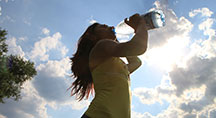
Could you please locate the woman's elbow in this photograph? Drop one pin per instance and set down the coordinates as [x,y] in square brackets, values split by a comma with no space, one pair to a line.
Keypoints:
[141,49]
[140,62]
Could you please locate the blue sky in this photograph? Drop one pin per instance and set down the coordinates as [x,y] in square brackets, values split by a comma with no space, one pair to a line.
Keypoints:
[177,78]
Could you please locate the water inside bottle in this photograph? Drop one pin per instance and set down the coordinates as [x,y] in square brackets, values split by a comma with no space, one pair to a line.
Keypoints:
[158,19]
[123,29]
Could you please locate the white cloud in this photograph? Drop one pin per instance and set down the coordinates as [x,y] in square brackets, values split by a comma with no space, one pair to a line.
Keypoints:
[192,101]
[168,46]
[140,115]
[56,68]
[53,76]
[171,53]
[147,96]
[13,48]
[75,105]
[41,47]
[175,27]
[206,27]
[194,94]
[51,80]
[205,48]
[7,19]
[27,21]
[165,91]
[204,12]
[190,91]
[52,83]
[206,24]
[92,21]
[45,31]
[195,85]
[64,50]
[45,45]
[212,113]
[2,116]
[171,112]
[0,11]
[193,75]
[48,88]
[30,106]
[162,4]
[22,38]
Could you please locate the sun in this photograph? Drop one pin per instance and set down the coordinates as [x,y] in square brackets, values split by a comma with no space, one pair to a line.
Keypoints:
[170,54]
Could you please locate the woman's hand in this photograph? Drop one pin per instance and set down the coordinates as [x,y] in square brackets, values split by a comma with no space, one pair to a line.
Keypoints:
[133,63]
[148,21]
[133,21]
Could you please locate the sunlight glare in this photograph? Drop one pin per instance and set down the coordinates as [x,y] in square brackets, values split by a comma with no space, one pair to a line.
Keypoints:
[172,53]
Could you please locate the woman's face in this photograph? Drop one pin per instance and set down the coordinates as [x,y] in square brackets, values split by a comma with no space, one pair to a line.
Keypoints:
[105,32]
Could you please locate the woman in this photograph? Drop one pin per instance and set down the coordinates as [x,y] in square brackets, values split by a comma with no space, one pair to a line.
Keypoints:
[96,66]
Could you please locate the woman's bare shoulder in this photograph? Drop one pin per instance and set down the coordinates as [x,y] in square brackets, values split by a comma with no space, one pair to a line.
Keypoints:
[99,52]
[104,47]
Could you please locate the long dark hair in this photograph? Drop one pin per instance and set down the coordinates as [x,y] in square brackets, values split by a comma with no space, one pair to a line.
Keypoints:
[83,83]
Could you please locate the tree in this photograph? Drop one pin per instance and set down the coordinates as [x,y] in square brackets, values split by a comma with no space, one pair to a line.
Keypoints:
[3,45]
[14,71]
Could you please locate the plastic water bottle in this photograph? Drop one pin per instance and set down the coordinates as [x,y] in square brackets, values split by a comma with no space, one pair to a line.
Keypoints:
[156,17]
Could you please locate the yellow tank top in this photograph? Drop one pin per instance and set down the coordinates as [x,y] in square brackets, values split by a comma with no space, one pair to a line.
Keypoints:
[112,90]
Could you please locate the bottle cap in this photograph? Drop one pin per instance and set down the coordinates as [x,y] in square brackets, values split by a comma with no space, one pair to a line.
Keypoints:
[158,18]
[113,29]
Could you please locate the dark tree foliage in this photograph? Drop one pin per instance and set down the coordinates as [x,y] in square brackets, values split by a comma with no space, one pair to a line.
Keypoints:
[14,71]
[3,45]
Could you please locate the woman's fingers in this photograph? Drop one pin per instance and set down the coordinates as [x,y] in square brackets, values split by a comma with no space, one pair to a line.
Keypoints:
[133,21]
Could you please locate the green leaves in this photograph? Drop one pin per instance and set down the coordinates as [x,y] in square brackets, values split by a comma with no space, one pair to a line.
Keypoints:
[3,45]
[14,71]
